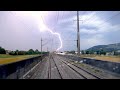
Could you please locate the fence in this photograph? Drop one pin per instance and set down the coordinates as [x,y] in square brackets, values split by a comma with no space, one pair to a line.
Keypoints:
[17,69]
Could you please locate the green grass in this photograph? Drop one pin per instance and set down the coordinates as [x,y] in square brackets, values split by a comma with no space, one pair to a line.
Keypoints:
[5,59]
[6,56]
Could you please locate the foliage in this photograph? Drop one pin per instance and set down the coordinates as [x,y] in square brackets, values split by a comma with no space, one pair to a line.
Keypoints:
[2,50]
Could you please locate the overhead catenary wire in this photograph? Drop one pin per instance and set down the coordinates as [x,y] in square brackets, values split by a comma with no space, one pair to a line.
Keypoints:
[71,33]
[109,19]
[101,25]
[90,17]
[94,18]
[26,26]
[58,36]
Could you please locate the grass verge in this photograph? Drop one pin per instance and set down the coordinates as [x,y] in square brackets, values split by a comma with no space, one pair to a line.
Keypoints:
[105,58]
[5,59]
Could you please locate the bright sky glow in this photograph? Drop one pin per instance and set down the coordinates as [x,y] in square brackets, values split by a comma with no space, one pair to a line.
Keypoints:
[23,30]
[38,16]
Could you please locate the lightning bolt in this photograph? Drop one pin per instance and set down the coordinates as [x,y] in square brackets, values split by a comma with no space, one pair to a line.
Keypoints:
[41,25]
[59,36]
[55,33]
[45,28]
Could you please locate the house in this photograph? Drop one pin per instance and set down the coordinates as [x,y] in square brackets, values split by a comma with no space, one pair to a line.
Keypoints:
[8,51]
[118,51]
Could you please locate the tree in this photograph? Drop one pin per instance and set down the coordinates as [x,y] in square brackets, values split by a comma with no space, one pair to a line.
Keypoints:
[91,52]
[82,52]
[2,50]
[12,53]
[87,52]
[17,51]
[31,51]
[37,51]
[116,53]
[72,52]
[97,52]
[21,52]
[102,52]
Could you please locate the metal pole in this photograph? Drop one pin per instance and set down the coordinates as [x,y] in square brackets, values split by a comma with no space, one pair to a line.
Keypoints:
[47,49]
[41,46]
[78,35]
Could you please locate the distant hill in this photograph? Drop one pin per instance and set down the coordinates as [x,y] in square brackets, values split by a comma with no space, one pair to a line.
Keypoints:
[107,48]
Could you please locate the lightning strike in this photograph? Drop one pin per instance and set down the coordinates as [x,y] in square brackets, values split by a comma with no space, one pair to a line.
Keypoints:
[42,27]
[58,37]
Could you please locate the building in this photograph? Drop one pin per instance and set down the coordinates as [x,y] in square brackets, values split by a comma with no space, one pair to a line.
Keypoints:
[8,51]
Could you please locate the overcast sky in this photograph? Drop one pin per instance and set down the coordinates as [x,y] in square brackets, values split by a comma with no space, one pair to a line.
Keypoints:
[23,30]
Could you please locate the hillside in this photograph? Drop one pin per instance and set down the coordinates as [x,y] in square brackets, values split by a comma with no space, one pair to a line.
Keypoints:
[107,48]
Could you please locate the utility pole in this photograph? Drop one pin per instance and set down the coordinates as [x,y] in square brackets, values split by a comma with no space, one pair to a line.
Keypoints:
[47,49]
[41,46]
[78,35]
[52,45]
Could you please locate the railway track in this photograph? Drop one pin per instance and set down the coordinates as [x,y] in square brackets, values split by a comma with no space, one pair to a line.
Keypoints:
[68,63]
[97,72]
[97,77]
[58,67]
[53,69]
[49,71]
[81,72]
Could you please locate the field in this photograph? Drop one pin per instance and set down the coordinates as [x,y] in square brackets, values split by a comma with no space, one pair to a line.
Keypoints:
[105,58]
[4,59]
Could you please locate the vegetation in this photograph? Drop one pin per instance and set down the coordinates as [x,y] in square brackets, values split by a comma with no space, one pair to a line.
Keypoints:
[70,52]
[7,56]
[4,59]
[102,57]
[2,50]
[29,52]
[99,52]
[109,52]
[106,48]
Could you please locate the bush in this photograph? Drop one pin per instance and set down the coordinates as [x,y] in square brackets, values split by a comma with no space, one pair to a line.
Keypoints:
[2,50]
[29,52]
[12,53]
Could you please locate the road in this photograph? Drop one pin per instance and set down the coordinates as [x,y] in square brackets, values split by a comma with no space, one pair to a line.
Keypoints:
[58,67]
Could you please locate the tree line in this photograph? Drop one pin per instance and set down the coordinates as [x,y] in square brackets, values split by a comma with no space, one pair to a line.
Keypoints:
[20,52]
[99,52]
[2,50]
